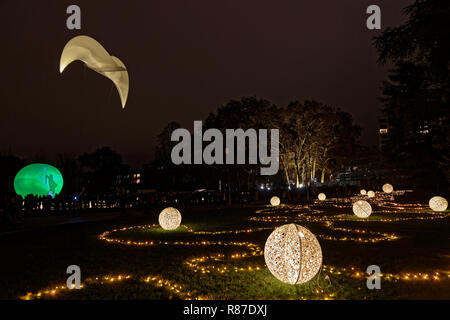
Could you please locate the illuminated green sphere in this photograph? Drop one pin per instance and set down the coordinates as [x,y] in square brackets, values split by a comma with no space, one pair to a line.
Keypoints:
[38,180]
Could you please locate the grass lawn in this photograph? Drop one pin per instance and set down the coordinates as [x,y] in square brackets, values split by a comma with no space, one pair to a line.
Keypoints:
[207,259]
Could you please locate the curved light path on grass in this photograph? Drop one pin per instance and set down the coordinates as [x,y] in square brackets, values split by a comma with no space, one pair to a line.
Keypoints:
[300,213]
[217,263]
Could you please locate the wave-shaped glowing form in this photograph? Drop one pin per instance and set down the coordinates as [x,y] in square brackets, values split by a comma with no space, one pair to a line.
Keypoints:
[95,57]
[39,180]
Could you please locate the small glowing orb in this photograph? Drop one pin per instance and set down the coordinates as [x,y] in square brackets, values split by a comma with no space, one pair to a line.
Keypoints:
[363,192]
[388,188]
[275,201]
[322,196]
[38,180]
[170,219]
[438,204]
[293,254]
[371,194]
[362,209]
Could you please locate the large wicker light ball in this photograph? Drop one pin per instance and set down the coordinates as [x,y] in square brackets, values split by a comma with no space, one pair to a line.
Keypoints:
[362,209]
[371,194]
[438,204]
[293,254]
[322,196]
[170,219]
[388,188]
[363,192]
[275,201]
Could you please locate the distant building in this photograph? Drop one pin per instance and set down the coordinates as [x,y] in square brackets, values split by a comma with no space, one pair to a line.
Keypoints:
[133,178]
[364,166]
[383,133]
[425,133]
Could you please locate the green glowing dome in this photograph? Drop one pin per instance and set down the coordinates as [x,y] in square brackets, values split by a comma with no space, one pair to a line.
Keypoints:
[39,180]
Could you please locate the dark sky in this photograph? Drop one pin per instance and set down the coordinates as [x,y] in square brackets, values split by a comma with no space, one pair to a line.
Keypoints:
[185,59]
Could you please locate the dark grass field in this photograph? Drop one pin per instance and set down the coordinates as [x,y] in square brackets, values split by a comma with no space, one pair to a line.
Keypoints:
[35,261]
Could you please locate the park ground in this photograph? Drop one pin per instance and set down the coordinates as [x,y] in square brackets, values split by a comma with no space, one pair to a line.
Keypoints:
[217,254]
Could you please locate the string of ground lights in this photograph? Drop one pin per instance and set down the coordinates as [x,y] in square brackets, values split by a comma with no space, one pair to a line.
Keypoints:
[217,262]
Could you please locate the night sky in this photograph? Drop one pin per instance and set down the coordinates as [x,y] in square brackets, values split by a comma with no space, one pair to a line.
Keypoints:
[185,59]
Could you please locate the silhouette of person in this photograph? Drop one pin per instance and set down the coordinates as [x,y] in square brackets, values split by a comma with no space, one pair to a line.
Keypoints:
[51,184]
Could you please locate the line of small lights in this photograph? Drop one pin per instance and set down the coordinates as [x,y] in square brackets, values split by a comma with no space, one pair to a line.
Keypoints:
[419,276]
[173,288]
[58,289]
[375,235]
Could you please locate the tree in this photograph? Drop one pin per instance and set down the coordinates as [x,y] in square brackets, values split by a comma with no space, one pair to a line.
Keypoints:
[104,165]
[416,95]
[9,167]
[70,170]
[247,113]
[164,144]
[422,40]
[315,137]
[168,176]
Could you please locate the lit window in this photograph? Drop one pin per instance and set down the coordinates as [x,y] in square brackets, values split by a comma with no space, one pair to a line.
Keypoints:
[383,131]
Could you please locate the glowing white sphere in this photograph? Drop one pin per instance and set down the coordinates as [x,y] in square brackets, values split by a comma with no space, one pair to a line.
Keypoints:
[362,209]
[388,188]
[322,196]
[170,219]
[363,192]
[293,254]
[438,204]
[371,194]
[275,201]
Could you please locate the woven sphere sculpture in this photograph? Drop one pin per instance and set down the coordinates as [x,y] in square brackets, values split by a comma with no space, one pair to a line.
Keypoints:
[438,204]
[388,188]
[363,192]
[362,209]
[275,201]
[170,219]
[293,254]
[371,194]
[322,196]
